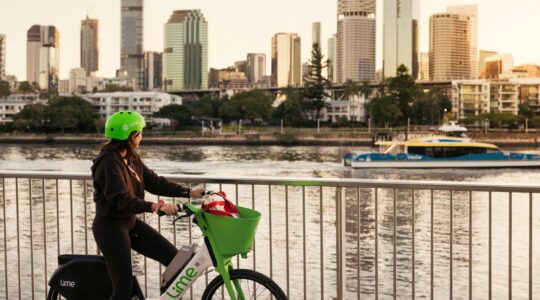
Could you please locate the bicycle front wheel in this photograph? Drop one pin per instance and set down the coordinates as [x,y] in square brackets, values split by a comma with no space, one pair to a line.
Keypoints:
[254,286]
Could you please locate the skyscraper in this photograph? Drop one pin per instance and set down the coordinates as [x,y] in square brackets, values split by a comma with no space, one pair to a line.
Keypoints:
[482,56]
[2,56]
[131,48]
[286,60]
[400,36]
[472,12]
[256,67]
[153,70]
[316,33]
[185,53]
[498,64]
[423,67]
[415,48]
[43,56]
[332,59]
[449,47]
[356,40]
[89,45]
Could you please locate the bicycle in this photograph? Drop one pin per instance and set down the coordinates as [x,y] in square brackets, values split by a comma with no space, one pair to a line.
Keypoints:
[84,277]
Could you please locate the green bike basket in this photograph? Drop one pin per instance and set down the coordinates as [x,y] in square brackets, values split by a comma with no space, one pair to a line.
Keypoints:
[233,236]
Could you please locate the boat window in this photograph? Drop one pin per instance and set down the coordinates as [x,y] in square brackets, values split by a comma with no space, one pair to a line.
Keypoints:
[462,151]
[435,152]
[447,152]
[438,152]
[417,150]
[493,151]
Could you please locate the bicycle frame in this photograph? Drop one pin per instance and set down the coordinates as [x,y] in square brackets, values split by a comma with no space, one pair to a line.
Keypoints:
[202,260]
[193,270]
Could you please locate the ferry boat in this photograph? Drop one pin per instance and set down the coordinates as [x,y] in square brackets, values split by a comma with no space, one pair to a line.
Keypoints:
[453,150]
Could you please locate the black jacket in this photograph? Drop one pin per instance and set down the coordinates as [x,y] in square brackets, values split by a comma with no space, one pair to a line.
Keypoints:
[117,191]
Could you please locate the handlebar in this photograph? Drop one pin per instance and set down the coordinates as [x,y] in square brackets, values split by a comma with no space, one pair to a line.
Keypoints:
[183,207]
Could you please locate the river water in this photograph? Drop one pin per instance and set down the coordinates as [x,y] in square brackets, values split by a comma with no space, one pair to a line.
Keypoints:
[319,162]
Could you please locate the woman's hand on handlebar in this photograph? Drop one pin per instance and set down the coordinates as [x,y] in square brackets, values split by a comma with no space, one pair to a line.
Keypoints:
[196,193]
[169,209]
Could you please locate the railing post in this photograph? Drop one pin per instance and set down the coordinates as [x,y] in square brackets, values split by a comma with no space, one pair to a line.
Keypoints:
[340,244]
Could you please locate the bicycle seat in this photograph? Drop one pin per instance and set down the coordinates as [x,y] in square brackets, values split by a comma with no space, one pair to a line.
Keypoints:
[65,258]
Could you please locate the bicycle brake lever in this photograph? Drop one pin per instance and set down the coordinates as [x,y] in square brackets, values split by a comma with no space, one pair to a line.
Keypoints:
[180,217]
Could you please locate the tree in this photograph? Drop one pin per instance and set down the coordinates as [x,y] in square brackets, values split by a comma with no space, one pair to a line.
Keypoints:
[48,94]
[535,122]
[350,89]
[405,90]
[315,85]
[208,107]
[366,89]
[385,111]
[179,114]
[254,104]
[429,107]
[32,117]
[111,87]
[25,87]
[5,89]
[36,87]
[292,110]
[71,114]
[526,110]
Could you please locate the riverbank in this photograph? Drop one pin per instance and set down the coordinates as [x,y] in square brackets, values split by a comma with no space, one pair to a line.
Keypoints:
[322,139]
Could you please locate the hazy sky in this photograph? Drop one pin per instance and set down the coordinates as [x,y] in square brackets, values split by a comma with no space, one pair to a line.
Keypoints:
[237,27]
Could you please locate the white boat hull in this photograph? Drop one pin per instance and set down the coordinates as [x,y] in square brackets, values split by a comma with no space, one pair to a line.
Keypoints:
[451,164]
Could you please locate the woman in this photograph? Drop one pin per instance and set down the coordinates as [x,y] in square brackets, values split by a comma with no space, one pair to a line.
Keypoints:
[120,179]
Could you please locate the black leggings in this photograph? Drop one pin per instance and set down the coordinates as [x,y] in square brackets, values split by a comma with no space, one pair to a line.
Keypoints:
[116,237]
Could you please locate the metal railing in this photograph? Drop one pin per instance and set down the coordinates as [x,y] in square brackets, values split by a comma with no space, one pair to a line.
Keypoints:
[318,238]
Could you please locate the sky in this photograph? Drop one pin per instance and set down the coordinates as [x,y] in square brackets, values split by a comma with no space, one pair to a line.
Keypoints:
[237,27]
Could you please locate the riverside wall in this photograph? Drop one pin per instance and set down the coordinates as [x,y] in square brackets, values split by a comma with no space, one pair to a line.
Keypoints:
[287,139]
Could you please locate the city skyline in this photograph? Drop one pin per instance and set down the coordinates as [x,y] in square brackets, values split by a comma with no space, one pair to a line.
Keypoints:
[230,40]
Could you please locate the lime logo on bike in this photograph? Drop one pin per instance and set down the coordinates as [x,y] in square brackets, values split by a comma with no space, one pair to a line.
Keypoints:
[182,283]
[67,283]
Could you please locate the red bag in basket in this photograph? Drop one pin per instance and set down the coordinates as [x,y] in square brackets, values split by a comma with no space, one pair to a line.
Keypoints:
[217,204]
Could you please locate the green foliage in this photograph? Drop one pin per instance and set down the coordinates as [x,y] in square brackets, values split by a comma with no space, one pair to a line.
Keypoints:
[292,110]
[71,114]
[534,122]
[350,89]
[404,89]
[35,87]
[179,114]
[111,87]
[254,104]
[5,89]
[366,89]
[32,117]
[526,111]
[25,87]
[208,107]
[315,85]
[48,94]
[385,111]
[428,109]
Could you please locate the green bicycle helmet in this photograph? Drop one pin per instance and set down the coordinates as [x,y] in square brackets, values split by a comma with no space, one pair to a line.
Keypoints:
[121,124]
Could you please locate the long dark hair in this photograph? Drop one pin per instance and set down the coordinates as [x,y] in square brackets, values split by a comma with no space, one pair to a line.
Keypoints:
[119,146]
